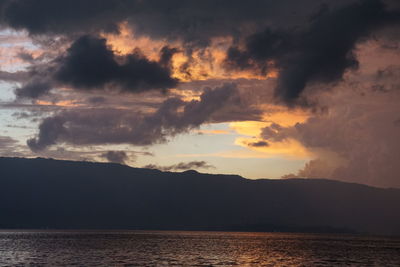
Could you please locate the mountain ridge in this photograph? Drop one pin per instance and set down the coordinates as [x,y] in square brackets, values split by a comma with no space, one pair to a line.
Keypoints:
[48,193]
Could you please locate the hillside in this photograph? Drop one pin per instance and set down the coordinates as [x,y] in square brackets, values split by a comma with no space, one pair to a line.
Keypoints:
[54,194]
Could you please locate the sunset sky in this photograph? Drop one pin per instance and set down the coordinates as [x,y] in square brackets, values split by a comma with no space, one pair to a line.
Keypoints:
[259,88]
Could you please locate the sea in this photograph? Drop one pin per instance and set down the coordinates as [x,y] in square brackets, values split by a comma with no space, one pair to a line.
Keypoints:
[181,248]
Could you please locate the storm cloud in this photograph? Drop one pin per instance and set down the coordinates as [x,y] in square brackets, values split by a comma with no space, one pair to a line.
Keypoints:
[320,53]
[192,21]
[89,63]
[46,16]
[313,44]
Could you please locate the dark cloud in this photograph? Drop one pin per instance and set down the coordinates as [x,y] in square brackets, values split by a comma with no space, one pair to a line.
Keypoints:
[49,130]
[192,21]
[89,63]
[166,55]
[258,144]
[181,166]
[320,53]
[115,156]
[196,22]
[308,43]
[46,16]
[33,89]
[116,126]
[37,81]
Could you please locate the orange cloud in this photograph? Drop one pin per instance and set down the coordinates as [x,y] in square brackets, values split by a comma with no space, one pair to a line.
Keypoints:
[201,64]
[125,42]
[213,132]
[284,116]
[249,128]
[65,103]
[186,95]
[250,131]
[289,148]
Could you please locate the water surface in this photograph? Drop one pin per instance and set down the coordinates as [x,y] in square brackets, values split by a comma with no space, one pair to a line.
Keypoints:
[171,248]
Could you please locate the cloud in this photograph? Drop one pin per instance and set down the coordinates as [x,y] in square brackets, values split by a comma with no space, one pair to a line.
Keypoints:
[320,53]
[97,100]
[387,79]
[316,168]
[166,55]
[89,63]
[6,142]
[115,156]
[365,145]
[49,130]
[308,43]
[353,142]
[46,16]
[10,147]
[258,144]
[13,76]
[356,138]
[37,81]
[275,133]
[181,166]
[306,49]
[116,126]
[192,21]
[33,89]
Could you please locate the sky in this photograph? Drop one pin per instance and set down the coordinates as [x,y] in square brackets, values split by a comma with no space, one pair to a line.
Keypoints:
[259,88]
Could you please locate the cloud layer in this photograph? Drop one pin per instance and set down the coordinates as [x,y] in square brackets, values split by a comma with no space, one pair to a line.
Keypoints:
[107,73]
[320,53]
[116,126]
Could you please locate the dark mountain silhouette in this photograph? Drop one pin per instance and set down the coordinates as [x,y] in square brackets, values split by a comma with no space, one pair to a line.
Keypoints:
[45,193]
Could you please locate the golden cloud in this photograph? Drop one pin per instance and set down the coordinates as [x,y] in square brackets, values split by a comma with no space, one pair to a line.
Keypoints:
[200,64]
